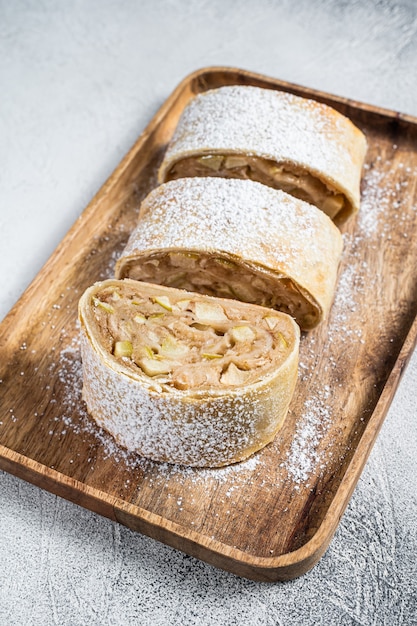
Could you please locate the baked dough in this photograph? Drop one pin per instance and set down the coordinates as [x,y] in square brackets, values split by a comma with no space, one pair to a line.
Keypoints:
[296,144]
[237,239]
[184,378]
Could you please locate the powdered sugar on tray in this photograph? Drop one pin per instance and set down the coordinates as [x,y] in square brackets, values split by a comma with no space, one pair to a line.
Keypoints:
[381,200]
[71,375]
[304,457]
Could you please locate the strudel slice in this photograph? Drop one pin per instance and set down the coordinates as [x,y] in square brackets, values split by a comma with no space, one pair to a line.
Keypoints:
[184,378]
[237,239]
[291,143]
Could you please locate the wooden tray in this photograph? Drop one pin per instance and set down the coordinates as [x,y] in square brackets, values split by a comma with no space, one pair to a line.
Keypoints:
[272,517]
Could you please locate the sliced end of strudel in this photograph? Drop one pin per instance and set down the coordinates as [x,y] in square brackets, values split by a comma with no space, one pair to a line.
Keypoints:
[295,144]
[184,378]
[237,239]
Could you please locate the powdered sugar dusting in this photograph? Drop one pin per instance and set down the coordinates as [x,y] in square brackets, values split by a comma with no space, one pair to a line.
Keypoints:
[70,374]
[383,188]
[304,455]
[274,125]
[231,215]
[350,288]
[259,226]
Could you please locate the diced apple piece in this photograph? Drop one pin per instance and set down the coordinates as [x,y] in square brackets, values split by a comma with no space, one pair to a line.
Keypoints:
[232,161]
[164,302]
[213,162]
[271,321]
[243,333]
[103,305]
[182,305]
[232,376]
[154,367]
[171,347]
[333,204]
[209,312]
[148,352]
[123,349]
[243,292]
[139,319]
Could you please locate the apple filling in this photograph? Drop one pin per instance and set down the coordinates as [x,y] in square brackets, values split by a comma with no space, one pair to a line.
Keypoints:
[186,342]
[222,277]
[295,181]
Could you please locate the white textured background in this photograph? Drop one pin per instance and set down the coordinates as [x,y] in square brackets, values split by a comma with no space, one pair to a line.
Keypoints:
[79,80]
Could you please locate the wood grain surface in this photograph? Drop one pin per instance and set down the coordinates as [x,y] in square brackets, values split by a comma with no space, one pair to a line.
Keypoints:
[272,517]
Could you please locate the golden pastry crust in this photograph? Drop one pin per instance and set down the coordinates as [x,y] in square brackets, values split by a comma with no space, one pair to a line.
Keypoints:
[237,239]
[291,143]
[183,378]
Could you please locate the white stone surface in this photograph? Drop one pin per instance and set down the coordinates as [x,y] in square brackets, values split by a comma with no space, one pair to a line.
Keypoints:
[78,83]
